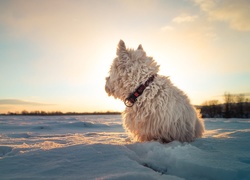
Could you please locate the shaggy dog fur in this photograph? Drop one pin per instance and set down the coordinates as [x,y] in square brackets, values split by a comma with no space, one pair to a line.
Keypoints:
[163,112]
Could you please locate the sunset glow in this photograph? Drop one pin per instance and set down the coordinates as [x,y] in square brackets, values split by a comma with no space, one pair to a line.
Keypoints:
[55,55]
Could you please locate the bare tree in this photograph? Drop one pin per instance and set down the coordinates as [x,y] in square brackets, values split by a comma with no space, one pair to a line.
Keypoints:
[228,100]
[240,99]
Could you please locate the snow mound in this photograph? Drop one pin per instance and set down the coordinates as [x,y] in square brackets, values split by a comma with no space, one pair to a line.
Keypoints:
[187,161]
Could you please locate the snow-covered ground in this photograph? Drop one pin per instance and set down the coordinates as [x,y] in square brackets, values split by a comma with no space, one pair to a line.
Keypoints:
[96,147]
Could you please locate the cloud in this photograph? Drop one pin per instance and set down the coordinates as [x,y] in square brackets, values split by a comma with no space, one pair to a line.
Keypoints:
[167,28]
[184,18]
[246,94]
[21,102]
[235,13]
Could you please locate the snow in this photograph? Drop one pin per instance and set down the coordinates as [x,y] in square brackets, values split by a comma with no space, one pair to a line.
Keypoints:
[97,147]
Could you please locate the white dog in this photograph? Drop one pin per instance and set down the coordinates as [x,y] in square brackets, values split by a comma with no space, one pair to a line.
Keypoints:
[157,110]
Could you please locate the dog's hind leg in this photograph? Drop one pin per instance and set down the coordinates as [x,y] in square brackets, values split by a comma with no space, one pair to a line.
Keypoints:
[199,128]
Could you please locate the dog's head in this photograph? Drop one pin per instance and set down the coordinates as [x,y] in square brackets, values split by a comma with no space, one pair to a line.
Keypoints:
[129,69]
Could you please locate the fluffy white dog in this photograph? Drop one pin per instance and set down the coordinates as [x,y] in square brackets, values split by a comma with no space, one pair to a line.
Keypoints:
[157,110]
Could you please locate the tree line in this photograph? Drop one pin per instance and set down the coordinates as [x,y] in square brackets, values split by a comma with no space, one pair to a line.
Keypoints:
[234,106]
[58,113]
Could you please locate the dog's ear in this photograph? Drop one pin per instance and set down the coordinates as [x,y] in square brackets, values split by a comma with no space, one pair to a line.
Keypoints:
[121,49]
[140,47]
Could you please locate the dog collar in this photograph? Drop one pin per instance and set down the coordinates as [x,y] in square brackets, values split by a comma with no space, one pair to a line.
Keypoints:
[132,98]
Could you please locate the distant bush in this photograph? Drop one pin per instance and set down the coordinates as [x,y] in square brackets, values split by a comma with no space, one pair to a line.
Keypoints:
[234,106]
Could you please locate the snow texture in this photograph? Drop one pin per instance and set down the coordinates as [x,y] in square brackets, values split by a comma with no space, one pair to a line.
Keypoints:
[96,147]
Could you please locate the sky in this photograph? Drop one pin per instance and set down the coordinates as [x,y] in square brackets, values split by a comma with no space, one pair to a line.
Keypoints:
[55,55]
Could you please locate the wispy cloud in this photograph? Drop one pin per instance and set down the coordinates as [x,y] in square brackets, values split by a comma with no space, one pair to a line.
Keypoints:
[184,18]
[246,94]
[21,102]
[167,28]
[235,13]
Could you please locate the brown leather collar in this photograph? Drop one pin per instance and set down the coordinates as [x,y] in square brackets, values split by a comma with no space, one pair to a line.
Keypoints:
[132,98]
